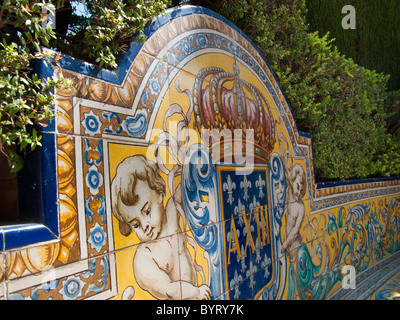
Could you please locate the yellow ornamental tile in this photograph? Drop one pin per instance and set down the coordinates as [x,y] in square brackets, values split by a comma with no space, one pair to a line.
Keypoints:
[64,123]
[63,254]
[66,91]
[100,91]
[70,239]
[41,257]
[16,265]
[126,94]
[69,190]
[65,143]
[68,214]
[65,104]
[65,169]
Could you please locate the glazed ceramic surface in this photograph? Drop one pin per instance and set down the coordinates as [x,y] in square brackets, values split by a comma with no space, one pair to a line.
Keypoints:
[182,175]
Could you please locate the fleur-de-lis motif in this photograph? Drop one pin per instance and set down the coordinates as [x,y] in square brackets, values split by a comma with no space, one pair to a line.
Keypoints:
[235,283]
[254,203]
[266,261]
[266,273]
[239,208]
[260,183]
[264,264]
[252,270]
[245,185]
[229,186]
[258,254]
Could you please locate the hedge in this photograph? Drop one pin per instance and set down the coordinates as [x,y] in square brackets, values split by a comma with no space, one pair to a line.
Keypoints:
[344,106]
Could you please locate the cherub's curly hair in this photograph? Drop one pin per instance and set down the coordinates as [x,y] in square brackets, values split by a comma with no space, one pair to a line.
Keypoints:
[298,170]
[123,185]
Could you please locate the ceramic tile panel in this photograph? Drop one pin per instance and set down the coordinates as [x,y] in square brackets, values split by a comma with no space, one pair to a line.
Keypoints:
[57,283]
[182,175]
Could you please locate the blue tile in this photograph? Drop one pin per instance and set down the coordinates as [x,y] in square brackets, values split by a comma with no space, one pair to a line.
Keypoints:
[25,234]
[37,187]
[1,240]
[323,185]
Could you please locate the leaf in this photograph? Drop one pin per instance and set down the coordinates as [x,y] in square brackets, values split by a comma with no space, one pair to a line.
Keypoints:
[22,39]
[37,46]
[340,218]
[27,8]
[15,161]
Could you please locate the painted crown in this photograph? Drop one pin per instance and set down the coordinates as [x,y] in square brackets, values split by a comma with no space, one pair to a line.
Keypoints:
[223,100]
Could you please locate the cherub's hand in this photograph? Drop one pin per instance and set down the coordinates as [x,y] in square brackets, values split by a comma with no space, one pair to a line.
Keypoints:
[283,247]
[204,293]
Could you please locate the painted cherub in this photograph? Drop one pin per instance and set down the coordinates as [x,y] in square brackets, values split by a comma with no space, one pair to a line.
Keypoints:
[295,212]
[162,265]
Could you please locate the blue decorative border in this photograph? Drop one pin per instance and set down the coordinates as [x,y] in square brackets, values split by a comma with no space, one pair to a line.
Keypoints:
[37,189]
[117,76]
[323,185]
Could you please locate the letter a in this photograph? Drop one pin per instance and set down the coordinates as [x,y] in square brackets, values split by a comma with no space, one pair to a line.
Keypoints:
[349,21]
[235,238]
[349,279]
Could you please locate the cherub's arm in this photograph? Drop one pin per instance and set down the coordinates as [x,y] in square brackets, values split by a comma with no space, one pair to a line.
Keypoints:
[158,283]
[296,228]
[174,209]
[178,194]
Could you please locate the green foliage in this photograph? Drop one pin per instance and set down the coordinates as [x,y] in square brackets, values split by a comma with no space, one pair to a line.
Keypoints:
[374,44]
[107,27]
[343,105]
[392,105]
[26,100]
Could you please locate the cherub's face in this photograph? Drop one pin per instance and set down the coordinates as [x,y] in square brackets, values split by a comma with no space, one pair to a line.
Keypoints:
[297,188]
[279,192]
[147,215]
